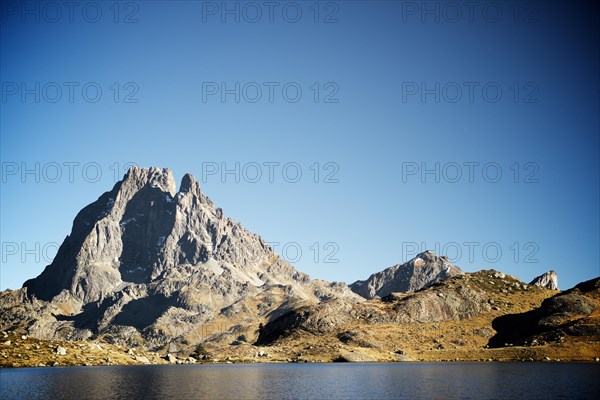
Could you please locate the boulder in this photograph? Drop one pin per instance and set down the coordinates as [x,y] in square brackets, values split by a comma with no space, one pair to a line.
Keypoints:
[354,356]
[142,359]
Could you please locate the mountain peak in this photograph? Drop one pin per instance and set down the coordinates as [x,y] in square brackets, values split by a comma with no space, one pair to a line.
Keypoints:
[143,257]
[429,255]
[423,270]
[189,184]
[154,177]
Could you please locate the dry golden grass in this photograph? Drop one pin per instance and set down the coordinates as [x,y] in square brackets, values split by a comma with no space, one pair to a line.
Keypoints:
[31,352]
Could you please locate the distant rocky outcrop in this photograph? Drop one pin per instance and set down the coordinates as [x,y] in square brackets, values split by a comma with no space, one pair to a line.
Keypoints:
[423,270]
[548,280]
[150,266]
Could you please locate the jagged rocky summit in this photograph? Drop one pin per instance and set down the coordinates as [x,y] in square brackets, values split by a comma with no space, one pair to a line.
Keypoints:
[423,270]
[548,280]
[148,265]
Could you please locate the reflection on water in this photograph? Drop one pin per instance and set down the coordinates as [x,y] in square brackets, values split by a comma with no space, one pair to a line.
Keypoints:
[306,381]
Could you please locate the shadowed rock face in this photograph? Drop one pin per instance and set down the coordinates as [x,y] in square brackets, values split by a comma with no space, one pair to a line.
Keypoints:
[104,240]
[560,315]
[148,262]
[548,280]
[148,218]
[423,270]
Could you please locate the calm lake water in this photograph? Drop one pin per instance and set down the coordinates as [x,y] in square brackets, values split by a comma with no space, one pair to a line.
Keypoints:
[307,381]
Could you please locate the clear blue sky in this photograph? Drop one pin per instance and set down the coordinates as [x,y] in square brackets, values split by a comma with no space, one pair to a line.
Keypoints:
[373,61]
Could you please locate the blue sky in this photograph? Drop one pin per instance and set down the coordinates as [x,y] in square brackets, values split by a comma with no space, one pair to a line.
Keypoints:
[387,76]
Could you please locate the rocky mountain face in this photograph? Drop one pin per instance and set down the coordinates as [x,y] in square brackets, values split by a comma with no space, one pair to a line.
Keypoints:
[423,270]
[149,265]
[458,298]
[548,280]
[434,305]
[570,313]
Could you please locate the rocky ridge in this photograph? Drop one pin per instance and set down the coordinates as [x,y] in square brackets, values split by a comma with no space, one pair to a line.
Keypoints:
[423,270]
[452,320]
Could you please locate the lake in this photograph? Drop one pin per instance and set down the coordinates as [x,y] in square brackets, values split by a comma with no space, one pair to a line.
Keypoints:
[307,381]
